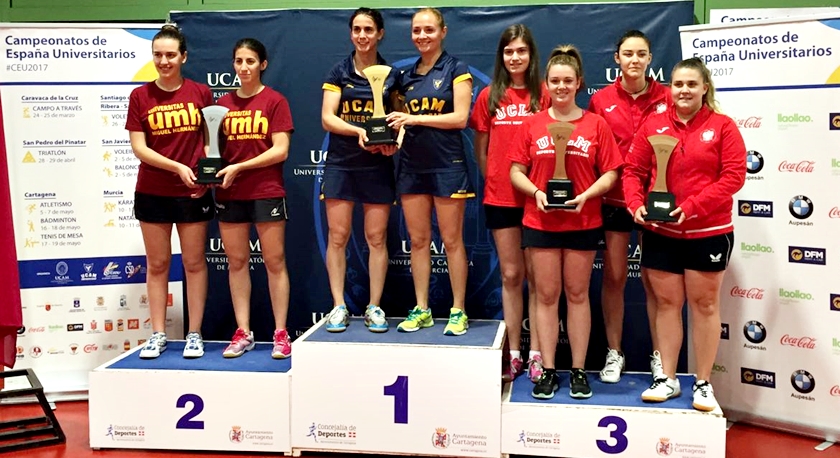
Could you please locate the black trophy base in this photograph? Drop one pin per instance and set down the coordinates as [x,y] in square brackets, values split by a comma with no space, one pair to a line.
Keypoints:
[557,192]
[659,205]
[208,167]
[378,132]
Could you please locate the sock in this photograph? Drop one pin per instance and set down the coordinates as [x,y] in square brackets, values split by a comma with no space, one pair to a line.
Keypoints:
[533,353]
[515,354]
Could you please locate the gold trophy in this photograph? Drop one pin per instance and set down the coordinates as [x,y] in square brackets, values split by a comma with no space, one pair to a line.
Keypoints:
[559,189]
[660,202]
[376,127]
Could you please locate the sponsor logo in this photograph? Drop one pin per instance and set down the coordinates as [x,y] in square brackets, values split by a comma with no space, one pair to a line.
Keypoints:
[132,270]
[803,382]
[800,342]
[126,433]
[724,331]
[834,212]
[718,368]
[801,208]
[74,349]
[538,439]
[133,323]
[37,329]
[664,447]
[835,166]
[797,167]
[758,377]
[834,302]
[755,162]
[834,121]
[440,438]
[88,272]
[109,325]
[19,352]
[806,255]
[61,276]
[35,352]
[785,119]
[707,136]
[755,332]
[751,293]
[111,271]
[796,295]
[75,327]
[753,122]
[236,434]
[21,330]
[835,390]
[333,433]
[90,348]
[755,208]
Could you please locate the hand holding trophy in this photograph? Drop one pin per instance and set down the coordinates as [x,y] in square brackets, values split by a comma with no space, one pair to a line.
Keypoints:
[376,127]
[209,166]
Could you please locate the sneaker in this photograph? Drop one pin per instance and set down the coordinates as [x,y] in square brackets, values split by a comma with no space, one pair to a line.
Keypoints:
[240,343]
[579,385]
[535,368]
[546,385]
[194,348]
[704,397]
[154,346]
[457,325]
[661,390]
[417,318]
[611,373]
[282,346]
[375,319]
[656,366]
[512,368]
[338,319]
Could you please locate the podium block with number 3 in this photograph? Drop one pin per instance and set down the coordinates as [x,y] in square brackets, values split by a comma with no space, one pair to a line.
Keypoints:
[419,393]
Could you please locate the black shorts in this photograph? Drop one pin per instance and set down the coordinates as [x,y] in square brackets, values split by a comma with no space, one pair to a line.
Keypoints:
[150,208]
[455,185]
[708,254]
[585,240]
[366,186]
[496,217]
[617,219]
[252,211]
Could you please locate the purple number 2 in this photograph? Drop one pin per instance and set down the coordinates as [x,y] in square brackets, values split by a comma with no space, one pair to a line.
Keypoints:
[399,390]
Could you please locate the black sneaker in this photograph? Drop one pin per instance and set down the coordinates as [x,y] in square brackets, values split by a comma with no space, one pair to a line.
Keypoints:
[579,385]
[546,385]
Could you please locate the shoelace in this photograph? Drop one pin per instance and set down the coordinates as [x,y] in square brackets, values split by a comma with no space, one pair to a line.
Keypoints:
[579,376]
[612,358]
[192,340]
[453,319]
[334,315]
[658,382]
[703,389]
[414,314]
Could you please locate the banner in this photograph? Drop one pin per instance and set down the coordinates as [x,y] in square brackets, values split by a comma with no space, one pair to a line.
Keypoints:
[297,68]
[780,307]
[727,16]
[71,180]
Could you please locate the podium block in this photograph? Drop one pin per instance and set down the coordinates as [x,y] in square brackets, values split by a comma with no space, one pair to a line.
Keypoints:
[418,393]
[208,403]
[613,422]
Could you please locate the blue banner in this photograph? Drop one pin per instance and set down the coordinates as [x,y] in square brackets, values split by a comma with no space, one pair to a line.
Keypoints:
[111,270]
[303,45]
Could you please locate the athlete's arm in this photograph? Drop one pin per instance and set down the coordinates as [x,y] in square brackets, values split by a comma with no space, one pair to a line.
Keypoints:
[278,152]
[333,124]
[155,159]
[462,98]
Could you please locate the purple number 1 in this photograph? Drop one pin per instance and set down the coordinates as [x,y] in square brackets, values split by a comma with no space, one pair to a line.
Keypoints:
[399,390]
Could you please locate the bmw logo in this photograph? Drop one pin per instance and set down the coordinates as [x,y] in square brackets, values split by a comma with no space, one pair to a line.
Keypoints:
[755,162]
[755,332]
[802,381]
[801,207]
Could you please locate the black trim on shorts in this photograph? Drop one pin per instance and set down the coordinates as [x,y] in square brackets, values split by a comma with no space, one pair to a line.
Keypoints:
[669,254]
[150,208]
[252,211]
[496,217]
[584,240]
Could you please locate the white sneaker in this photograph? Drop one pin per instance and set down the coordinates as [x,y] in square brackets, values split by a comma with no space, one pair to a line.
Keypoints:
[194,348]
[661,390]
[704,396]
[656,366]
[154,346]
[613,368]
[338,319]
[375,319]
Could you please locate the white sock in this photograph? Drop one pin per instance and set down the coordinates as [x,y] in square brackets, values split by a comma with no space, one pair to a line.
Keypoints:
[533,353]
[515,354]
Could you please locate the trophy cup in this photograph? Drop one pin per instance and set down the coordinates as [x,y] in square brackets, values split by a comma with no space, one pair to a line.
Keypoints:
[660,202]
[559,189]
[376,127]
[209,166]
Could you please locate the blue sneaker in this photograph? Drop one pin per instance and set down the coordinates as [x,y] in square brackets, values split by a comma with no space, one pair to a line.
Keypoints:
[194,346]
[338,319]
[375,319]
[154,346]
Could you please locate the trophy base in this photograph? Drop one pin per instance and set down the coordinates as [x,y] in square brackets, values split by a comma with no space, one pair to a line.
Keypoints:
[557,192]
[659,205]
[378,132]
[208,167]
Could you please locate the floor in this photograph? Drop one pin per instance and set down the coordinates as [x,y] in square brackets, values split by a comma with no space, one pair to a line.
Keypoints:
[743,441]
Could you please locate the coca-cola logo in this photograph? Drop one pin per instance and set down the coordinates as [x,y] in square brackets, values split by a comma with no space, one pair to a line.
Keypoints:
[799,167]
[799,342]
[834,212]
[90,348]
[37,329]
[835,390]
[753,122]
[752,293]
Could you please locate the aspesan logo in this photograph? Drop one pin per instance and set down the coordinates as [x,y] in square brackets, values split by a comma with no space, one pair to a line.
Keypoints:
[755,208]
[751,293]
[755,333]
[834,121]
[803,382]
[801,208]
[758,377]
[797,167]
[755,162]
[806,255]
[799,342]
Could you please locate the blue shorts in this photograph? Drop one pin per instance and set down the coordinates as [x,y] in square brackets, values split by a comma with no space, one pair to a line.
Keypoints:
[365,186]
[455,185]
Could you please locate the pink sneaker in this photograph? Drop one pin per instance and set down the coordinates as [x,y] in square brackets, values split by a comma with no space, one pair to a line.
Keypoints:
[282,345]
[512,369]
[535,368]
[240,343]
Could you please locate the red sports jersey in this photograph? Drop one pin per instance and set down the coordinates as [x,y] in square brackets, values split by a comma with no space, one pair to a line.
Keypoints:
[625,115]
[247,128]
[502,128]
[590,153]
[708,166]
[172,123]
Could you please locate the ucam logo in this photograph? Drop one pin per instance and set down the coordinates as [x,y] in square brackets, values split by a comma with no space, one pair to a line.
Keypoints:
[807,255]
[758,377]
[755,208]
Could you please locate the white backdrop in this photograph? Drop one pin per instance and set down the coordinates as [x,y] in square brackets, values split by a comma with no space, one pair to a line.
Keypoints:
[779,358]
[72,173]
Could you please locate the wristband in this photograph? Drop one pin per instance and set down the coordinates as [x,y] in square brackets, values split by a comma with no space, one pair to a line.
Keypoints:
[535,193]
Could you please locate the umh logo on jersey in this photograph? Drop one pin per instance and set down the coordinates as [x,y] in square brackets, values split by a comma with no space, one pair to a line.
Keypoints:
[755,208]
[807,255]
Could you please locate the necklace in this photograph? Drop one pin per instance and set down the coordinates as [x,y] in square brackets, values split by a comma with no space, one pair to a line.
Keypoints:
[639,91]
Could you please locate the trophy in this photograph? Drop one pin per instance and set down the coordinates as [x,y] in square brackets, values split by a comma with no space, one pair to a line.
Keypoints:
[660,202]
[376,127]
[559,189]
[209,166]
